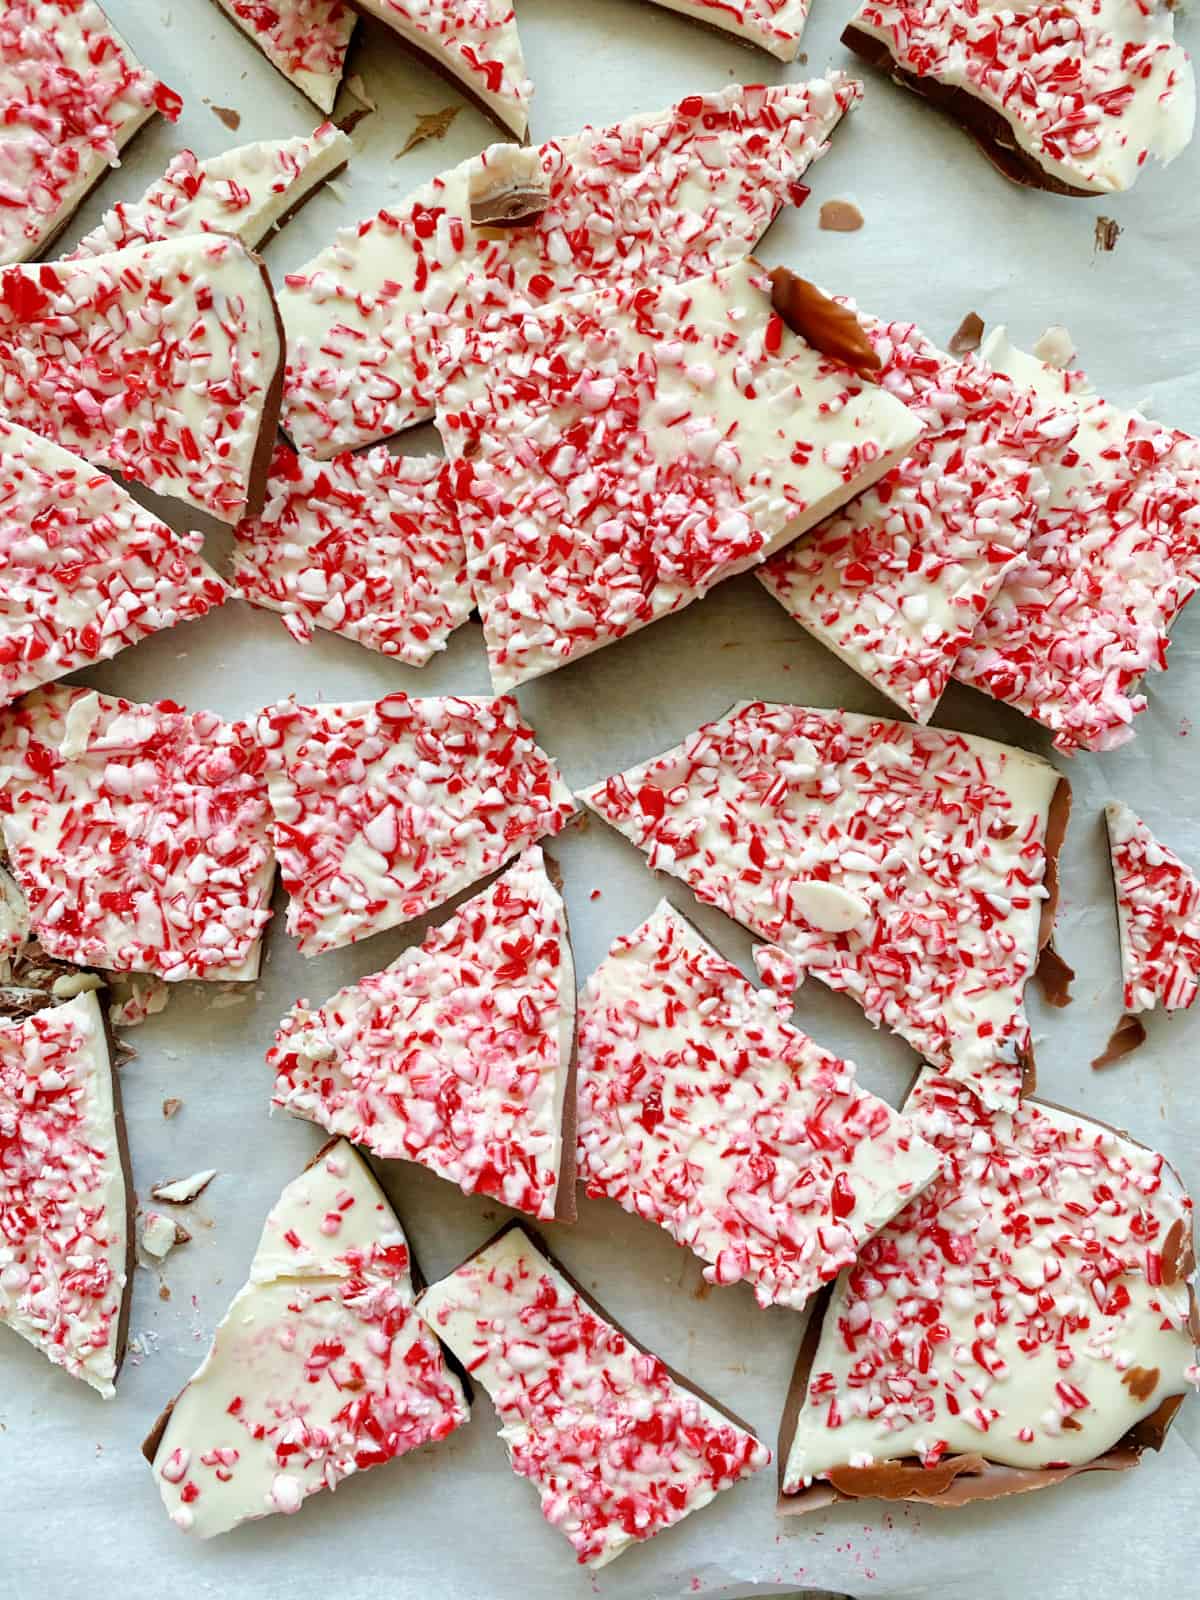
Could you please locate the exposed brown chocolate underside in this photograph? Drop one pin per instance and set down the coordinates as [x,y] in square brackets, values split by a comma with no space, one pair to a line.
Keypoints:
[1054,977]
[967,336]
[268,426]
[517,205]
[297,206]
[990,131]
[831,328]
[565,1206]
[1128,1035]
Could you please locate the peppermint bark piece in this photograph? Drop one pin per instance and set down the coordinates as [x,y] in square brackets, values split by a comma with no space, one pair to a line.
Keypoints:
[620,453]
[896,582]
[72,95]
[460,1054]
[140,834]
[1071,96]
[1026,1318]
[160,362]
[320,1369]
[473,43]
[306,40]
[385,809]
[368,546]
[1158,916]
[373,320]
[911,868]
[247,192]
[85,572]
[772,25]
[701,1110]
[1113,559]
[617,1445]
[65,1206]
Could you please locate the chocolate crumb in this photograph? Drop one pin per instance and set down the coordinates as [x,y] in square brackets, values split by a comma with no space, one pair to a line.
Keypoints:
[349,120]
[1107,233]
[839,216]
[831,328]
[231,118]
[434,125]
[1054,977]
[967,336]
[1128,1034]
[171,1106]
[163,1292]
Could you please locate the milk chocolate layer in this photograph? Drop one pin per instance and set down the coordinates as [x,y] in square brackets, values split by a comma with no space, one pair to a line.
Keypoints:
[831,328]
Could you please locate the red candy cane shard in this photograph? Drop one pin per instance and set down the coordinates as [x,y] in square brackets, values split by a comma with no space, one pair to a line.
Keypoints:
[895,583]
[320,1369]
[1073,95]
[618,454]
[702,1111]
[386,809]
[247,192]
[911,868]
[772,25]
[64,1215]
[1158,916]
[72,95]
[159,362]
[306,40]
[617,1446]
[368,546]
[140,834]
[1113,558]
[84,571]
[458,1055]
[1027,1317]
[373,320]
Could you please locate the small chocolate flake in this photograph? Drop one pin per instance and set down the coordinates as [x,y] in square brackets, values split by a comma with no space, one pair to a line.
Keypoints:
[831,328]
[1107,233]
[231,118]
[171,1106]
[349,120]
[967,336]
[839,216]
[163,1292]
[1054,977]
[1128,1034]
[434,125]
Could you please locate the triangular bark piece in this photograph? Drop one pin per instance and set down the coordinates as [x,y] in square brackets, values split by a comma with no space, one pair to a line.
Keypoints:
[1158,916]
[772,25]
[306,40]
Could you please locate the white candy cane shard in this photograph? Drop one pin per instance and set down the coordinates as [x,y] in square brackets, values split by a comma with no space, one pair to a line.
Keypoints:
[368,546]
[385,809]
[1158,916]
[458,1055]
[372,321]
[65,1255]
[85,571]
[568,1384]
[620,453]
[160,1234]
[72,95]
[306,40]
[702,1111]
[896,582]
[772,25]
[474,43]
[140,834]
[1073,95]
[246,192]
[1113,559]
[948,840]
[1031,1307]
[158,362]
[320,1369]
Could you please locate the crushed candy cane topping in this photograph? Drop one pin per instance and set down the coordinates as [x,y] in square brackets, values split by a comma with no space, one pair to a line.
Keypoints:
[895,584]
[63,1219]
[1113,559]
[456,1056]
[306,40]
[385,809]
[702,1111]
[619,453]
[139,833]
[84,570]
[1089,88]
[156,362]
[244,192]
[475,41]
[904,866]
[373,319]
[368,546]
[320,1369]
[617,1449]
[1031,1306]
[1158,914]
[773,25]
[71,96]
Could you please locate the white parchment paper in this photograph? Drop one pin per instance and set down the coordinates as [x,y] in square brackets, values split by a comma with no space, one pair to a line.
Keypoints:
[79,1513]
